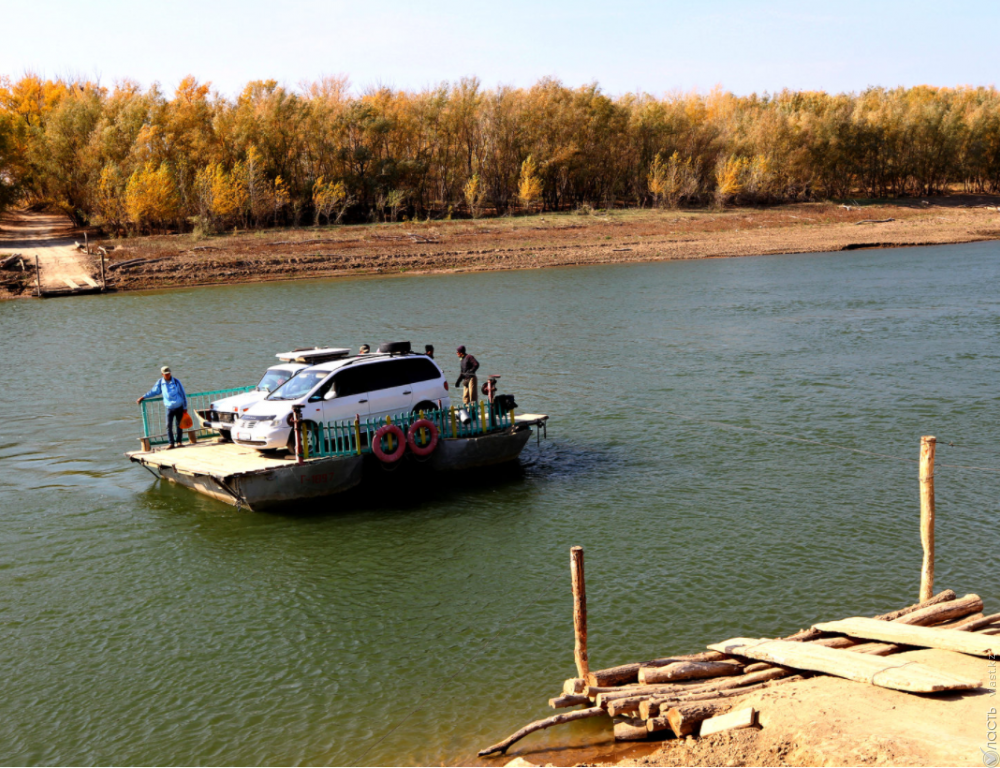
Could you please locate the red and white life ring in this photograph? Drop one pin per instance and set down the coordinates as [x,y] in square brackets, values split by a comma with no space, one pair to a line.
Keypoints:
[414,430]
[397,453]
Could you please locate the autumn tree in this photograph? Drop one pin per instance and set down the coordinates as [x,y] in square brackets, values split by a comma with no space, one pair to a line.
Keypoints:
[529,186]
[151,199]
[11,172]
[473,194]
[328,198]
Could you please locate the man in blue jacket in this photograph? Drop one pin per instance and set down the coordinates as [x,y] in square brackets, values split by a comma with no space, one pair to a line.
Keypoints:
[174,400]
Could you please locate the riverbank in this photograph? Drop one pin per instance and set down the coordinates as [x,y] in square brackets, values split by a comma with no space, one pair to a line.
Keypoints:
[821,721]
[546,240]
[829,721]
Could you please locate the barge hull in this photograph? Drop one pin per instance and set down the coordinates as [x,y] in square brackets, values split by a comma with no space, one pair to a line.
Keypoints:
[485,451]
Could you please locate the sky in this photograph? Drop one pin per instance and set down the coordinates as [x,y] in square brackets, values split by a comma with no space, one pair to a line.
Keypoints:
[624,45]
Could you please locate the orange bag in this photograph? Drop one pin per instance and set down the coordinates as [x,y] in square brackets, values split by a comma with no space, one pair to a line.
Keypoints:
[186,421]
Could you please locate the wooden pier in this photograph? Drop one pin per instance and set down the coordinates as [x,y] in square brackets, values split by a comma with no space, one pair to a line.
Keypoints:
[707,691]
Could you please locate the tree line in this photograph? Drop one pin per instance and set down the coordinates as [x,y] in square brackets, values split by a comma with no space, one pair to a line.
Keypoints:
[135,160]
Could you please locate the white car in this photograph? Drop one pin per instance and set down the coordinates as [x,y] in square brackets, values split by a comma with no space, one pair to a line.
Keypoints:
[370,386]
[222,414]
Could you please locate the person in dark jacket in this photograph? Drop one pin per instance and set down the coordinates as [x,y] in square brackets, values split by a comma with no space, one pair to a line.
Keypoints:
[174,400]
[429,350]
[467,378]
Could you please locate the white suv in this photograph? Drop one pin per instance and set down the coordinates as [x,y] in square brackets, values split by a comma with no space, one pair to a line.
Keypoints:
[370,386]
[223,414]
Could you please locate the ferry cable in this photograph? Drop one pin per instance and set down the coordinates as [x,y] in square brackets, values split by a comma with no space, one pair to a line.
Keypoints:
[723,425]
[465,666]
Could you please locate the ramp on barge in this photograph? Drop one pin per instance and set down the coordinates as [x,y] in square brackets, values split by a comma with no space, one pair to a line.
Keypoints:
[248,478]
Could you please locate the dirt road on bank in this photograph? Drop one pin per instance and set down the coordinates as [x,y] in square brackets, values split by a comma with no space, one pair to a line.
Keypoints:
[51,237]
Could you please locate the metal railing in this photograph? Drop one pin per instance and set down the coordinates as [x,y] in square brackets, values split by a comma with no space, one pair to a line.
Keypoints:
[354,436]
[154,420]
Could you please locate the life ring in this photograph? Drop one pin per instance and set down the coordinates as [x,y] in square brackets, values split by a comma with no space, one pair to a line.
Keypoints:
[411,437]
[397,453]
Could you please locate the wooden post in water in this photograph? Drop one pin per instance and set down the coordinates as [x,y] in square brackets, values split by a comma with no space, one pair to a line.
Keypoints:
[927,447]
[104,282]
[579,612]
[38,278]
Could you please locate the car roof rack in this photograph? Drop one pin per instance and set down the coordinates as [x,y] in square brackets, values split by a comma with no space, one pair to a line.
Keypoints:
[313,355]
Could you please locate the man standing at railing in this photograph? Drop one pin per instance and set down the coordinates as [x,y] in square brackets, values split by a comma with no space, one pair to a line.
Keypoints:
[174,400]
[467,378]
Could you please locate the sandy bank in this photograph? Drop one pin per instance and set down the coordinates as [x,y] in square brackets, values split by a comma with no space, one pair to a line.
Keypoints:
[829,721]
[546,240]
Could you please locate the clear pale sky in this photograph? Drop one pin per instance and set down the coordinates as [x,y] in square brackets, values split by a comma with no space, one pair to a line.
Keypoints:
[624,45]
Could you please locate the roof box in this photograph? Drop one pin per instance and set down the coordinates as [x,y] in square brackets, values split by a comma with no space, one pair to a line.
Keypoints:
[395,347]
[313,355]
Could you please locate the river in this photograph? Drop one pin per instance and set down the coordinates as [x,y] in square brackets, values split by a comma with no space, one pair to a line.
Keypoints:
[141,623]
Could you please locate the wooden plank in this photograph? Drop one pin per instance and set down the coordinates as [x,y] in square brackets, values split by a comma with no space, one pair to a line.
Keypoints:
[530,418]
[908,634]
[896,674]
[741,718]
[73,286]
[90,281]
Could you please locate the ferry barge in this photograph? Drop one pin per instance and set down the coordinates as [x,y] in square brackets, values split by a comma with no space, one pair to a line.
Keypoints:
[332,457]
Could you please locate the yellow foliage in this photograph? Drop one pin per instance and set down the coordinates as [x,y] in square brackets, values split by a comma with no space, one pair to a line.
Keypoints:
[529,186]
[460,145]
[280,197]
[327,197]
[474,194]
[228,193]
[111,198]
[729,175]
[672,180]
[151,196]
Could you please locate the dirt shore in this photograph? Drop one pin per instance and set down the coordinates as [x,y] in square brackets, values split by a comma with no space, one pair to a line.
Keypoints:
[827,721]
[546,240]
[821,721]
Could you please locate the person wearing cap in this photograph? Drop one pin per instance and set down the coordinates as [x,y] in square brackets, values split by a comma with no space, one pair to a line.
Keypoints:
[364,349]
[174,400]
[467,377]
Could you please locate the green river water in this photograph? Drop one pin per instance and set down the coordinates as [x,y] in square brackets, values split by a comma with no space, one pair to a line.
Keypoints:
[141,623]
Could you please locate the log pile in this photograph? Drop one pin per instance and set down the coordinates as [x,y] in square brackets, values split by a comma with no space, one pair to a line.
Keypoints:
[677,694]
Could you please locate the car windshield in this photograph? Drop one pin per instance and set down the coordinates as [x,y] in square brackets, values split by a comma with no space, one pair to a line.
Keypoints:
[272,380]
[298,386]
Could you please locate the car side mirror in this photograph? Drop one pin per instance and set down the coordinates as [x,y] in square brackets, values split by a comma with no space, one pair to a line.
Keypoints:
[330,395]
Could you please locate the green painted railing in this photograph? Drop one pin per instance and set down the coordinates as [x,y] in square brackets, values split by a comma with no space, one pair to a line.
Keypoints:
[354,436]
[154,419]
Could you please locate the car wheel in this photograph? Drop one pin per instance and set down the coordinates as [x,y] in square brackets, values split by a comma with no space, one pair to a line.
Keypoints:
[226,435]
[424,405]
